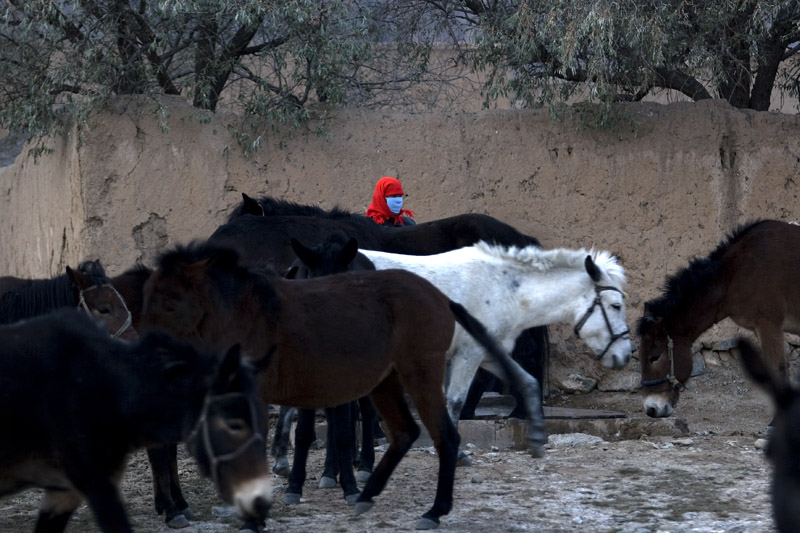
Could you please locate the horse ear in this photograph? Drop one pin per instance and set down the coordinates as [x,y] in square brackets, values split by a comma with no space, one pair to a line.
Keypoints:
[250,206]
[229,368]
[291,272]
[756,367]
[308,256]
[349,251]
[78,278]
[592,269]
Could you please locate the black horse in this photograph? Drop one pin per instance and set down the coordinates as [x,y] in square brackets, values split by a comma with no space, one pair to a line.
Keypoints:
[784,439]
[74,402]
[86,287]
[262,230]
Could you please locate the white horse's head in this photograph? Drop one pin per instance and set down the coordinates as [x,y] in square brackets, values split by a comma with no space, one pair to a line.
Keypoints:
[600,319]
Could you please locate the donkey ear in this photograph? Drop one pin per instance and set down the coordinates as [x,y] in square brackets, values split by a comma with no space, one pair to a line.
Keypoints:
[592,269]
[78,278]
[228,369]
[308,256]
[349,251]
[250,206]
[291,272]
[756,367]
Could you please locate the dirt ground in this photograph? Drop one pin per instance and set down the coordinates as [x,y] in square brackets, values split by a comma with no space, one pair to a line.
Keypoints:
[712,478]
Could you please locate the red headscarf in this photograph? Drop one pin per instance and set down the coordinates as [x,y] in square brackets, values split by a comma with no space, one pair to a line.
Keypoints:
[378,210]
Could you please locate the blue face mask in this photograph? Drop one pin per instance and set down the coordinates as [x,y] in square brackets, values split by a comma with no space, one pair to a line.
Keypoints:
[395,204]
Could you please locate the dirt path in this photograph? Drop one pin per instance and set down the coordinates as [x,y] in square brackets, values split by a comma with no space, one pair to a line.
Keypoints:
[712,479]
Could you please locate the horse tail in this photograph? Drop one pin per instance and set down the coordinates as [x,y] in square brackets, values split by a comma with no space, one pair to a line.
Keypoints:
[477,331]
[527,386]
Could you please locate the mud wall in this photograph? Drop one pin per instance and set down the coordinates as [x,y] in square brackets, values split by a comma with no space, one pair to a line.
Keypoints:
[656,194]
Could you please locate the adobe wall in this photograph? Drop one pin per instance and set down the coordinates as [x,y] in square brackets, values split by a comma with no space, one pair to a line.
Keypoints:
[655,195]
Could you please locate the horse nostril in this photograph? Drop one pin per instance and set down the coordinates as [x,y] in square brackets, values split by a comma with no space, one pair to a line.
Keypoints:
[651,412]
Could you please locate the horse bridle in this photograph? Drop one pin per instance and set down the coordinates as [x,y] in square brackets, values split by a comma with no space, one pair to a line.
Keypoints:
[670,377]
[598,303]
[202,425]
[83,305]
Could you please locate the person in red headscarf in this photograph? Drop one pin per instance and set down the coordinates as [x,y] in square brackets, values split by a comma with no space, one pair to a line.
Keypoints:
[387,204]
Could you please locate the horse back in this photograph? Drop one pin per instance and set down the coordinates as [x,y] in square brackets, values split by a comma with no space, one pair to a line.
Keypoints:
[364,323]
[762,266]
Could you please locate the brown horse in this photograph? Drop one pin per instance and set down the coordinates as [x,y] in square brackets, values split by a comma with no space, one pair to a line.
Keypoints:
[328,341]
[751,277]
[87,288]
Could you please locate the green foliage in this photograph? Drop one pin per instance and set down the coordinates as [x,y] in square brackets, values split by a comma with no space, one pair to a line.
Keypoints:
[541,53]
[288,63]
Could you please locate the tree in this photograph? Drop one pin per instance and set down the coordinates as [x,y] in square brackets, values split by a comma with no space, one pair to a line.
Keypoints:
[623,50]
[289,60]
[284,60]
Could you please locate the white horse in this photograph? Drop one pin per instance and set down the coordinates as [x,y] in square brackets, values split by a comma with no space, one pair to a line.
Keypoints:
[513,289]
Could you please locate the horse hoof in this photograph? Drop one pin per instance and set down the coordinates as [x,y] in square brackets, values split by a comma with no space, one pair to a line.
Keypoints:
[537,450]
[463,459]
[326,482]
[178,521]
[290,498]
[351,499]
[426,523]
[362,476]
[362,507]
[188,513]
[282,467]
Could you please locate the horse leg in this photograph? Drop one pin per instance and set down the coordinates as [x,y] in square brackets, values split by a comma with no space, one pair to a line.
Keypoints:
[331,470]
[366,457]
[175,484]
[390,403]
[463,367]
[531,351]
[102,495]
[529,390]
[432,409]
[770,337]
[56,509]
[303,437]
[480,384]
[342,448]
[161,468]
[280,443]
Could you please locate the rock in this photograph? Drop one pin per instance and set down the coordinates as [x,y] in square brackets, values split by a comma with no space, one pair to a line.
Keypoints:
[620,382]
[760,444]
[577,383]
[477,478]
[572,439]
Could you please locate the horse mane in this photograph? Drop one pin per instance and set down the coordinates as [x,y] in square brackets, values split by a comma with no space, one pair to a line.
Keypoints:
[223,260]
[683,287]
[43,295]
[533,256]
[278,207]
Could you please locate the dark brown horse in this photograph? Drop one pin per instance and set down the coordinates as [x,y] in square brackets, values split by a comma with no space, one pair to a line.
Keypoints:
[784,439]
[74,402]
[87,288]
[751,277]
[328,341]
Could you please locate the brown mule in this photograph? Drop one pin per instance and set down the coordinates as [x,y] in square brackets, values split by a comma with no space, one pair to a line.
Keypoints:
[327,341]
[751,277]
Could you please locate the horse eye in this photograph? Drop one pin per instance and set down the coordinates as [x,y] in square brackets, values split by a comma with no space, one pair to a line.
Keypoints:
[655,358]
[104,310]
[616,307]
[236,424]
